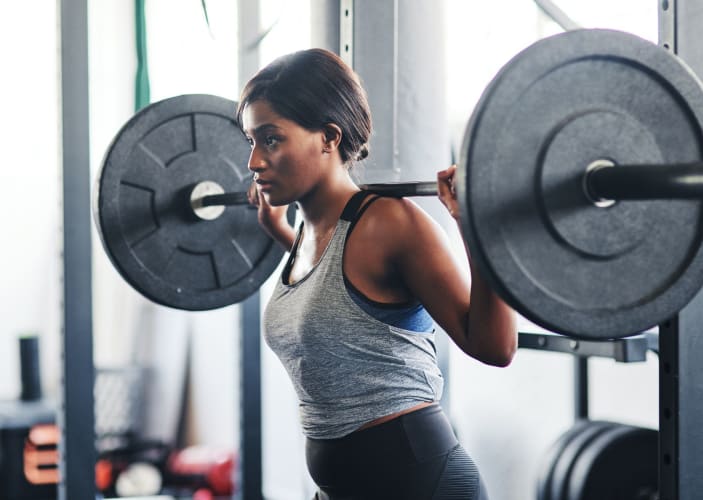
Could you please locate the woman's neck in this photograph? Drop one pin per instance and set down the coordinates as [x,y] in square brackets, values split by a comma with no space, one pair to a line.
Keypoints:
[320,209]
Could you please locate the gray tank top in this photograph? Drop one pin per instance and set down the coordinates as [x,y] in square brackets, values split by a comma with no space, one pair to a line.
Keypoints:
[347,367]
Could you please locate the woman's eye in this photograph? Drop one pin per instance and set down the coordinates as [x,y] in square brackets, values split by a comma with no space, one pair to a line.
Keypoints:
[250,141]
[271,140]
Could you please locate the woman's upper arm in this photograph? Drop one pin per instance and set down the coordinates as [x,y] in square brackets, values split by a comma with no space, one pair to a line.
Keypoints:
[429,267]
[432,272]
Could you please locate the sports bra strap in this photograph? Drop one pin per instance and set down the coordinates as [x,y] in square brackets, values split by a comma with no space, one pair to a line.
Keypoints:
[352,206]
[353,211]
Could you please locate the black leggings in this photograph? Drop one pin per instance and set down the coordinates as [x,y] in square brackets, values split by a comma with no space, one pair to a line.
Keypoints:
[412,457]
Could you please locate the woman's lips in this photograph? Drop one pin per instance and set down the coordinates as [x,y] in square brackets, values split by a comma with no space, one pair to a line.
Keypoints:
[263,185]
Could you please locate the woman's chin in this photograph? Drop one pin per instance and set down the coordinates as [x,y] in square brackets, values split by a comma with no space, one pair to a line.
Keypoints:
[275,201]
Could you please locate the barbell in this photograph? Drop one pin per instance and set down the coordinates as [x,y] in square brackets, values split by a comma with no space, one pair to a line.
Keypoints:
[580,183]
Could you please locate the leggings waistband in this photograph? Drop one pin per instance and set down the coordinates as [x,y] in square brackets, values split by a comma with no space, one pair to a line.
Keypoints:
[406,458]
[417,435]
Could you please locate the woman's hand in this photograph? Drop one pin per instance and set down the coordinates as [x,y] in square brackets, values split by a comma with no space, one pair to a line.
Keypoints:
[272,219]
[269,217]
[490,333]
[447,192]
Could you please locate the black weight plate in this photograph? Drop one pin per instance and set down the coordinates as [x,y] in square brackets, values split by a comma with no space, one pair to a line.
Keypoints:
[562,262]
[546,469]
[550,459]
[564,463]
[620,464]
[144,217]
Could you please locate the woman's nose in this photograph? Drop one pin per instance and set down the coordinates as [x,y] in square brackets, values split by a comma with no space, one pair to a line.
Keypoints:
[256,161]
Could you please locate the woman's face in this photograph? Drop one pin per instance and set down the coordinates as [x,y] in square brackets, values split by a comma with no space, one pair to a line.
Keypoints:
[285,157]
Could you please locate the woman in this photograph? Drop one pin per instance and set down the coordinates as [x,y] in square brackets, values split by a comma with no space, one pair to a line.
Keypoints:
[352,316]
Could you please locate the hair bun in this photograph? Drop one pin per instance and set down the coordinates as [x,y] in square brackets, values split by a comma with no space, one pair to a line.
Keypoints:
[363,152]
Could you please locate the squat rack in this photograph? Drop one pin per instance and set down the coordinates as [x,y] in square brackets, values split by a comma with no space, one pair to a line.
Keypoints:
[681,373]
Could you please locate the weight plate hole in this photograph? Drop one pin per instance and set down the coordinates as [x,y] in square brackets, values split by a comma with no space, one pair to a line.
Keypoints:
[597,201]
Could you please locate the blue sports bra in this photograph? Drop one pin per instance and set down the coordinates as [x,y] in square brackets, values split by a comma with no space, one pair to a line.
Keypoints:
[406,315]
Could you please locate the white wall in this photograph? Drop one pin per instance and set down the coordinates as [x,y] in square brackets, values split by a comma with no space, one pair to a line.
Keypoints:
[30,211]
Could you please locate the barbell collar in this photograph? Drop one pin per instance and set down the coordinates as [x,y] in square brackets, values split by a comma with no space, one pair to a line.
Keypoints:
[645,182]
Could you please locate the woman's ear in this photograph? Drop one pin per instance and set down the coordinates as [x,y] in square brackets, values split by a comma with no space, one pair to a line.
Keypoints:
[333,136]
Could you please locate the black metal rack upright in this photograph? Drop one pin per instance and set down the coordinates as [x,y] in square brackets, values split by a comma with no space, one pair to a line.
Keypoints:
[250,448]
[250,452]
[681,404]
[681,340]
[76,409]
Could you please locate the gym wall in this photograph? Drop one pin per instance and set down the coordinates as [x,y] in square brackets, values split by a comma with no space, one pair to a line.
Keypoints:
[31,213]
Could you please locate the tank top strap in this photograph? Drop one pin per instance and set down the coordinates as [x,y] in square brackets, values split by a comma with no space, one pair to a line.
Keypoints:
[351,213]
[285,275]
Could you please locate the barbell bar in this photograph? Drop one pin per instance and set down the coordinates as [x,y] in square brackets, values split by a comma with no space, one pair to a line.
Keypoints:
[569,126]
[207,198]
[603,185]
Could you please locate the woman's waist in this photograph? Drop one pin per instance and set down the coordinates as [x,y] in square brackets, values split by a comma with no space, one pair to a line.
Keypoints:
[338,419]
[423,431]
[392,416]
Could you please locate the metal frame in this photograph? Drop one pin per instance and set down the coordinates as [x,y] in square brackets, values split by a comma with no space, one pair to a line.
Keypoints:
[680,369]
[375,44]
[249,466]
[681,404]
[581,409]
[250,453]
[346,31]
[556,13]
[625,350]
[76,411]
[667,24]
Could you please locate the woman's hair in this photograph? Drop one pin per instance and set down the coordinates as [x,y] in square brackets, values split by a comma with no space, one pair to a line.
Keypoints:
[314,88]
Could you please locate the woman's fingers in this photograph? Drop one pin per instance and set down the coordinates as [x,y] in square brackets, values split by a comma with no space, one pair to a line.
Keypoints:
[447,191]
[253,194]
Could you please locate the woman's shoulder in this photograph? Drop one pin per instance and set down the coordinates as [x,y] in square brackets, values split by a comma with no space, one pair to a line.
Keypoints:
[395,219]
